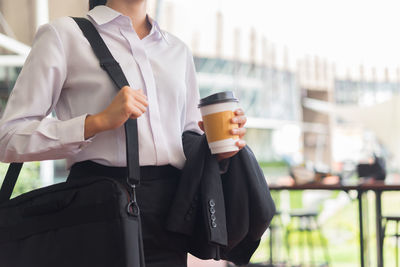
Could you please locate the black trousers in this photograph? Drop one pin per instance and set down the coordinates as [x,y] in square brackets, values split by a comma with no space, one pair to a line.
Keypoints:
[154,195]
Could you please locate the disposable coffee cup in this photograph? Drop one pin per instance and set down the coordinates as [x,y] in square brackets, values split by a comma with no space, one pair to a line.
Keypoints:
[217,111]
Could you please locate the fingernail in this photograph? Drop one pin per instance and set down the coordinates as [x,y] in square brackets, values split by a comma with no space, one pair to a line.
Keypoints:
[234,120]
[234,131]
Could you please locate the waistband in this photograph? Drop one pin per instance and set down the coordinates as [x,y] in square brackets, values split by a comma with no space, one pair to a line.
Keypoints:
[90,168]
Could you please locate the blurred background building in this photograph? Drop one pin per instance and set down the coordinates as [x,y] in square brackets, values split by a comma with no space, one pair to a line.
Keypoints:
[291,107]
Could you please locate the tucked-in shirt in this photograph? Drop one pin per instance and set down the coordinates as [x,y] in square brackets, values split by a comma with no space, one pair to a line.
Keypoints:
[63,75]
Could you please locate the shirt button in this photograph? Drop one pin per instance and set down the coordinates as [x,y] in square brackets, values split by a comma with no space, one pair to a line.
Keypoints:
[212,210]
[213,224]
[213,218]
[212,203]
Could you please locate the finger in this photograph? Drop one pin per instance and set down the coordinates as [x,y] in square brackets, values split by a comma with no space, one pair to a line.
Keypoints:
[142,101]
[134,117]
[201,125]
[140,96]
[135,112]
[239,131]
[140,92]
[130,94]
[140,106]
[125,92]
[138,99]
[134,102]
[239,112]
[241,144]
[126,87]
[241,120]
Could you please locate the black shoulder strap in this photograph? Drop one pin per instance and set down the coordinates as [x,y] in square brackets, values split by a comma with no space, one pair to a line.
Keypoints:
[113,69]
[9,181]
[100,49]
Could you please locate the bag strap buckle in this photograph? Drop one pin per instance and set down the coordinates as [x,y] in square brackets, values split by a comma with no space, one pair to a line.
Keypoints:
[132,208]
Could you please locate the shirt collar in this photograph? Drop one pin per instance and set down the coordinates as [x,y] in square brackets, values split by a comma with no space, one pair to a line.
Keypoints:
[156,29]
[103,14]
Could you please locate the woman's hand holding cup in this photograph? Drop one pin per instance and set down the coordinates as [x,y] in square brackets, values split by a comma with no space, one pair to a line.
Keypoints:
[237,129]
[223,123]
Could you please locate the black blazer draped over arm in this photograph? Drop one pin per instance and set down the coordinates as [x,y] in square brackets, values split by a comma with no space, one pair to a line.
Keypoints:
[224,215]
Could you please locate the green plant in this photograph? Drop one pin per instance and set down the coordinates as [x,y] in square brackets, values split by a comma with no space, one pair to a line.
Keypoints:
[272,164]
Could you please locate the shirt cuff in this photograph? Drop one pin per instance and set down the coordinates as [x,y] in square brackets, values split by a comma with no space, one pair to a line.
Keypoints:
[72,132]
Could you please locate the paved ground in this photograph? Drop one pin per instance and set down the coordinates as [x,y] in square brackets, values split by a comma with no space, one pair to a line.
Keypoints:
[194,262]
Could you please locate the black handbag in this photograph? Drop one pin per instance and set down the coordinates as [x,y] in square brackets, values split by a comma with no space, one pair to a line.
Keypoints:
[84,222]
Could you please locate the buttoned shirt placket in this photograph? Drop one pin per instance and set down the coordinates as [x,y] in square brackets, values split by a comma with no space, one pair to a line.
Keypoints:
[141,58]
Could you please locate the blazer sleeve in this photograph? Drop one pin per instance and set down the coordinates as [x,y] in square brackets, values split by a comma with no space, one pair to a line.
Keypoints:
[249,201]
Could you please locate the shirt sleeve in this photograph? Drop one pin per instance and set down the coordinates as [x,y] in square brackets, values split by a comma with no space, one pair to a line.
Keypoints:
[27,133]
[192,113]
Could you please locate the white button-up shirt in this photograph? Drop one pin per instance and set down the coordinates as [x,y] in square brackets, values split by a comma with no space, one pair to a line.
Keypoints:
[63,74]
